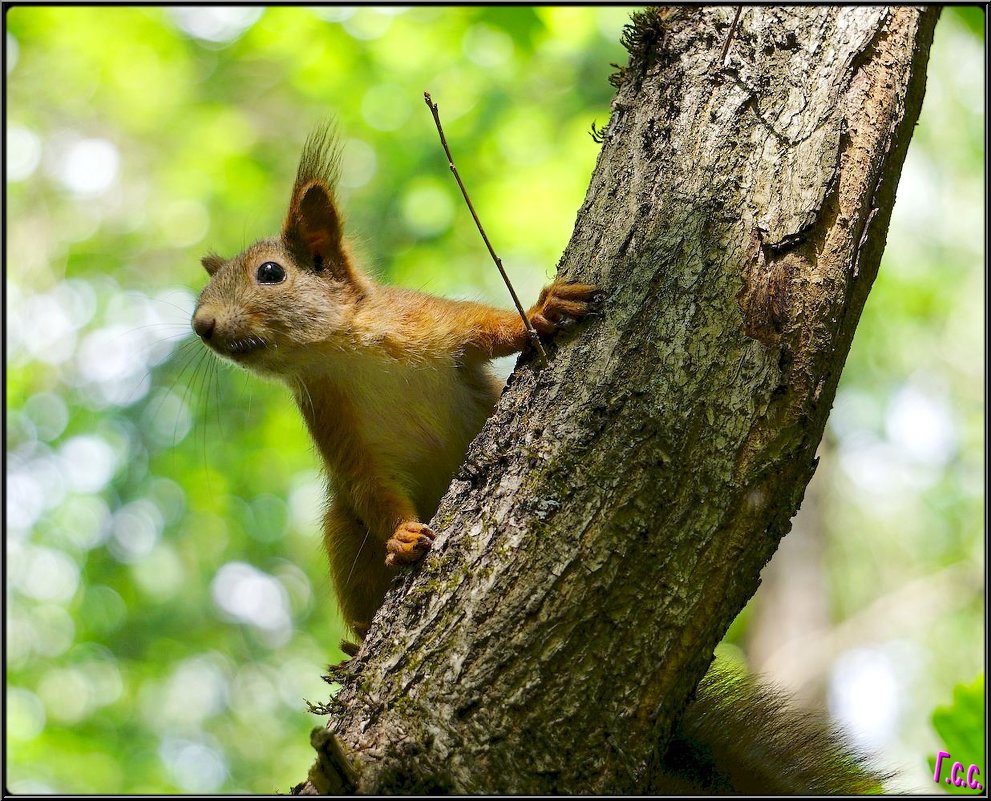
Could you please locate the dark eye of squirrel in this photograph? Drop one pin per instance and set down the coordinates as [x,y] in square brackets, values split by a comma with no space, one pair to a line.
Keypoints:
[271,273]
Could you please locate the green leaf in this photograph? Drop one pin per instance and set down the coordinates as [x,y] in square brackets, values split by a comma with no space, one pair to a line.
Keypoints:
[972,18]
[960,728]
[522,24]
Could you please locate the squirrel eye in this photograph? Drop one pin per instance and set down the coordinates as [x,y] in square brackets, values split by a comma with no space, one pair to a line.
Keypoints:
[271,273]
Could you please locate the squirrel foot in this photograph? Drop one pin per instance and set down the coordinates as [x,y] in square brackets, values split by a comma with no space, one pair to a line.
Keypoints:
[349,648]
[409,543]
[560,303]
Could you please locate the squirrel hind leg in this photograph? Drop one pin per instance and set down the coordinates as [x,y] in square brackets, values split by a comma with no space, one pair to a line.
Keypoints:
[360,577]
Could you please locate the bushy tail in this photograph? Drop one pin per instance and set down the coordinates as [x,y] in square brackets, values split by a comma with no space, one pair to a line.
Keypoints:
[739,736]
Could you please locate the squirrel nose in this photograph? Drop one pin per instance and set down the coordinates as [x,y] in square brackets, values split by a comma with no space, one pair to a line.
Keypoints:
[203,325]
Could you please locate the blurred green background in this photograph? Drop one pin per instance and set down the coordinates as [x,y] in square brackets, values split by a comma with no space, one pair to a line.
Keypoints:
[167,607]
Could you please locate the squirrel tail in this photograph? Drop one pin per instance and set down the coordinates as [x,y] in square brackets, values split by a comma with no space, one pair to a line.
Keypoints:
[739,736]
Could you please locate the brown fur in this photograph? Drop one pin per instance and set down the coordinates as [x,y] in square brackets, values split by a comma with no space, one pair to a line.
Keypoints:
[393,384]
[743,737]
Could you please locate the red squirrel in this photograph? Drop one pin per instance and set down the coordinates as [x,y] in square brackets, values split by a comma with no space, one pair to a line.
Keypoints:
[393,384]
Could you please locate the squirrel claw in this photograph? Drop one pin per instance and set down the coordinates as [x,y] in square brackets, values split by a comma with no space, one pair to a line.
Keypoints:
[561,303]
[409,543]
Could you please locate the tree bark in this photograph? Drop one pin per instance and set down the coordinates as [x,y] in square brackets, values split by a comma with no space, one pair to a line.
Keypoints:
[613,517]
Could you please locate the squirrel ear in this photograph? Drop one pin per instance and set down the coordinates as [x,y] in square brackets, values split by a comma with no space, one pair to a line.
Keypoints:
[212,262]
[321,227]
[314,226]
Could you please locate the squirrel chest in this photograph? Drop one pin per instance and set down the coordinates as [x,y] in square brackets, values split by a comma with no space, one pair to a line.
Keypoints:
[386,419]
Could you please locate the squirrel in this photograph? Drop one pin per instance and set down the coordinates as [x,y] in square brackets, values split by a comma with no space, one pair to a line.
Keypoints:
[393,384]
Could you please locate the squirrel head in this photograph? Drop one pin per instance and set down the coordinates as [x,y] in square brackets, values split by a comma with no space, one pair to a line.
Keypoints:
[273,306]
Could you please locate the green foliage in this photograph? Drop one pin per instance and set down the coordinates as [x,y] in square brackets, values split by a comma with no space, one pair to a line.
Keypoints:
[971,16]
[168,606]
[961,728]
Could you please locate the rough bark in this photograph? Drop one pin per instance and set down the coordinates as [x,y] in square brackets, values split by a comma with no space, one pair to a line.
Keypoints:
[614,515]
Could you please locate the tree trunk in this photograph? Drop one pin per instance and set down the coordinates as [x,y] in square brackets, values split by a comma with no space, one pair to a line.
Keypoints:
[614,515]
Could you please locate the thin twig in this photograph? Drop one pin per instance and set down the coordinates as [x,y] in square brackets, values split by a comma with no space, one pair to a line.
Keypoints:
[531,332]
[729,36]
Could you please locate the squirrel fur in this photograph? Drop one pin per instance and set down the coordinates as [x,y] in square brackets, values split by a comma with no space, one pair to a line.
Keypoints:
[740,736]
[393,385]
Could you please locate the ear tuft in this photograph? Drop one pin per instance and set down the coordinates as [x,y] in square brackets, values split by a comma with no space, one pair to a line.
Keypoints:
[212,262]
[313,230]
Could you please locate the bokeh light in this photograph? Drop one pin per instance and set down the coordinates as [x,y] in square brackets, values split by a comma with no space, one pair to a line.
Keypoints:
[168,606]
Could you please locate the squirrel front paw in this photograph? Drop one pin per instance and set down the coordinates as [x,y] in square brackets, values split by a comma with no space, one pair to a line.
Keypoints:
[409,543]
[559,302]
